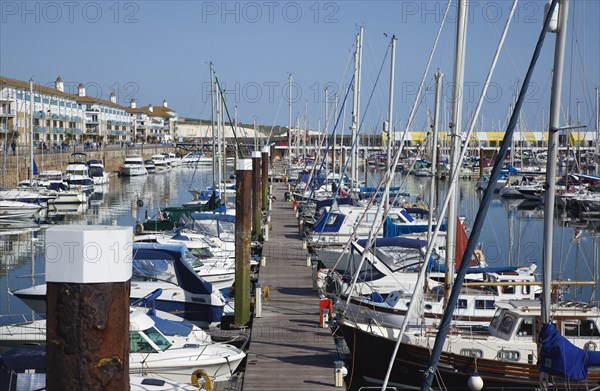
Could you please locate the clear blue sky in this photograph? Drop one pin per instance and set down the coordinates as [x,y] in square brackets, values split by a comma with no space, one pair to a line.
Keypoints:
[155,50]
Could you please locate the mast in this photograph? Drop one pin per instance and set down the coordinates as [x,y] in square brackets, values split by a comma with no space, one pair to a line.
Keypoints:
[459,73]
[554,121]
[31,130]
[290,118]
[356,107]
[597,130]
[439,76]
[212,125]
[386,196]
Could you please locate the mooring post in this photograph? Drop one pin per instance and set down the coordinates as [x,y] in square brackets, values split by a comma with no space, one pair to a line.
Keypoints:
[243,201]
[265,177]
[481,159]
[88,273]
[256,195]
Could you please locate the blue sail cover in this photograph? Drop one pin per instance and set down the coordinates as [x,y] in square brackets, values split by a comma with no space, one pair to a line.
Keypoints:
[395,242]
[340,201]
[391,229]
[560,357]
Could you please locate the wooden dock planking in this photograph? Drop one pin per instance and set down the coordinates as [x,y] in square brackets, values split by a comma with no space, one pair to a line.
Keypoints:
[288,350]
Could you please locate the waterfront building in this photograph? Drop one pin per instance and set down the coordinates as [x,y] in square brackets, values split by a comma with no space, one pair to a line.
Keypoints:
[154,124]
[60,119]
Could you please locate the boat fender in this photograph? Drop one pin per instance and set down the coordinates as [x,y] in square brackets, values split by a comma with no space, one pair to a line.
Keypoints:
[590,345]
[139,228]
[139,203]
[478,254]
[208,381]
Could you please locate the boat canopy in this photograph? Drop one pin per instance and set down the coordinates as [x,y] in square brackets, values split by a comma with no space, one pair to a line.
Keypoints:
[329,202]
[395,242]
[560,357]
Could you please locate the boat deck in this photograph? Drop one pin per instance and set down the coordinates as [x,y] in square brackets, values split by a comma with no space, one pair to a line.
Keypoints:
[288,350]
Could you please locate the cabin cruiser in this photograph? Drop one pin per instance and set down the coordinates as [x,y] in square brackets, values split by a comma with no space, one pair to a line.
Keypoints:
[17,209]
[150,167]
[77,173]
[191,297]
[133,166]
[161,162]
[97,173]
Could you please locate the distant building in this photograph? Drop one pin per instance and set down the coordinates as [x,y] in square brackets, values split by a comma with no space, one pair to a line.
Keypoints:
[154,124]
[58,117]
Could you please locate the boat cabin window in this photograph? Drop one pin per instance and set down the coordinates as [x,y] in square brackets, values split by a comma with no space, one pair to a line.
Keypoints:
[137,344]
[158,338]
[201,253]
[462,304]
[478,353]
[506,324]
[525,328]
[484,304]
[580,328]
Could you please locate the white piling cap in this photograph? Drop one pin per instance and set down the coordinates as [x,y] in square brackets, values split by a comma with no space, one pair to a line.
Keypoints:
[244,165]
[88,254]
[256,155]
[266,149]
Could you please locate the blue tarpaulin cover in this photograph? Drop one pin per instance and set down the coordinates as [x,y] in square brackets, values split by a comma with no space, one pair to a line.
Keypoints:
[560,357]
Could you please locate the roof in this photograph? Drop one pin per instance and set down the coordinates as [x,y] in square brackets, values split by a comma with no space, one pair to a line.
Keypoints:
[53,91]
[160,111]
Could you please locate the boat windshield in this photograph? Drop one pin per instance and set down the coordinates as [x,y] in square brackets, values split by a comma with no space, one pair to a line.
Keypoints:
[139,341]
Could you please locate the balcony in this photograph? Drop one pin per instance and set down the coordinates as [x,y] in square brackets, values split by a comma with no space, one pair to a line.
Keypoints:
[7,113]
[39,129]
[92,131]
[93,121]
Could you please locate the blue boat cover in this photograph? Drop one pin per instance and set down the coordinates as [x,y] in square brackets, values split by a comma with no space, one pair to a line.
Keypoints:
[153,253]
[366,189]
[395,242]
[560,357]
[171,327]
[391,229]
[340,201]
[329,222]
[213,216]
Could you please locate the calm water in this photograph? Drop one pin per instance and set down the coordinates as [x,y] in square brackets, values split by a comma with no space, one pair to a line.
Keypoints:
[512,233]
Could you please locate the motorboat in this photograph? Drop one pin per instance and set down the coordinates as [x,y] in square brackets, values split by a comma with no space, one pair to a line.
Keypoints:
[17,209]
[96,172]
[133,166]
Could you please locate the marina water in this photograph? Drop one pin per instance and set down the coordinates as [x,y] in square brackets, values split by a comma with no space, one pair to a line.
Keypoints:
[512,234]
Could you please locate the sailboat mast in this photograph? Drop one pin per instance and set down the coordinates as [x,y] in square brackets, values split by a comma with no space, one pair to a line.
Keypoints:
[31,130]
[290,118]
[356,106]
[386,198]
[459,73]
[439,76]
[212,125]
[554,122]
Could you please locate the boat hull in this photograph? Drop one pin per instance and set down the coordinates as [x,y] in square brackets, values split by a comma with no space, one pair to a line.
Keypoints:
[371,353]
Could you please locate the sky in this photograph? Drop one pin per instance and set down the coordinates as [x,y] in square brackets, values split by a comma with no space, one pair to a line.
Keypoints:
[155,50]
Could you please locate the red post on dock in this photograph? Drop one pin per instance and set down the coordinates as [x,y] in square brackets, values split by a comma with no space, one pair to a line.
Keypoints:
[88,273]
[243,219]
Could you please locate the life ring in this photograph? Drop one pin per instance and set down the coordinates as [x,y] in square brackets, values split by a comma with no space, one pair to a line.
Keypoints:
[208,381]
[139,228]
[590,345]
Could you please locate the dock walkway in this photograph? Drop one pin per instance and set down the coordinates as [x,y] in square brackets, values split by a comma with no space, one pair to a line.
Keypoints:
[288,350]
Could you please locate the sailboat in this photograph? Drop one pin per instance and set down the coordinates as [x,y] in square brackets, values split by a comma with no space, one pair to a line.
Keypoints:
[509,357]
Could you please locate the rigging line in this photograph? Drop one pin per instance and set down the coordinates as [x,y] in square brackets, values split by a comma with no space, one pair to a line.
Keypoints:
[239,149]
[198,91]
[274,121]
[485,203]
[360,127]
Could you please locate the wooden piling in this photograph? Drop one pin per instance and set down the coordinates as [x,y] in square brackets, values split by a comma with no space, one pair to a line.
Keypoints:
[265,177]
[88,273]
[256,195]
[242,241]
